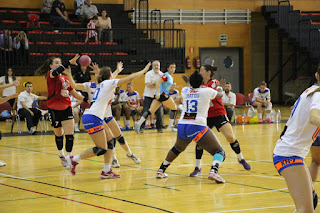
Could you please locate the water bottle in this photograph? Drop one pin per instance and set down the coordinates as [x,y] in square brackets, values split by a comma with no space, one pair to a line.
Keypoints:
[273,115]
[278,116]
[244,118]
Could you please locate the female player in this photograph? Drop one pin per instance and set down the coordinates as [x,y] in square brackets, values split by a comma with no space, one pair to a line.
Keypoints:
[193,126]
[59,104]
[109,122]
[162,96]
[94,116]
[294,144]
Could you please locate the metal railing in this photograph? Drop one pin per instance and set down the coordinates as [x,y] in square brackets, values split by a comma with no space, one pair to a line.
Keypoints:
[133,47]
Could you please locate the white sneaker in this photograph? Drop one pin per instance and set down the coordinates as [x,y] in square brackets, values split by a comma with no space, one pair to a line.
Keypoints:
[172,129]
[76,129]
[32,130]
[160,174]
[2,163]
[63,161]
[214,175]
[115,163]
[134,158]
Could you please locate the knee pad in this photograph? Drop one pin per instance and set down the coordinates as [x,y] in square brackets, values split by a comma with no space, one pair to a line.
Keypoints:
[175,151]
[315,199]
[99,151]
[69,143]
[59,142]
[198,147]
[221,152]
[121,140]
[111,143]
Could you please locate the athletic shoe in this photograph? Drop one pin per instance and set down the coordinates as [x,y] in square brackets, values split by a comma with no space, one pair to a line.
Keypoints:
[214,175]
[115,163]
[128,128]
[134,158]
[2,163]
[137,128]
[172,129]
[148,127]
[32,130]
[245,165]
[71,165]
[63,161]
[260,120]
[160,174]
[196,172]
[109,175]
[122,128]
[160,130]
[76,129]
[269,120]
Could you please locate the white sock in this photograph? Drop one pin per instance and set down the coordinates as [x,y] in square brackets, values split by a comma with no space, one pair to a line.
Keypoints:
[142,119]
[60,153]
[165,162]
[118,122]
[147,122]
[216,162]
[198,163]
[76,158]
[260,115]
[267,115]
[154,121]
[129,153]
[127,122]
[240,156]
[171,122]
[107,167]
[68,153]
[114,156]
[76,125]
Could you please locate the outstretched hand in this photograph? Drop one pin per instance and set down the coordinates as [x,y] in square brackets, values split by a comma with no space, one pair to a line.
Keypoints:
[120,66]
[95,68]
[146,68]
[74,60]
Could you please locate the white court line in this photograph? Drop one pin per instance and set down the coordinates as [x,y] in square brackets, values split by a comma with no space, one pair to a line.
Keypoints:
[272,177]
[240,210]
[257,192]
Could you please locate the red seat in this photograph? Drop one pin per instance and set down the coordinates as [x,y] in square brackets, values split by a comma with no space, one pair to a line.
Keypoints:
[55,54]
[9,21]
[44,42]
[240,99]
[69,53]
[61,43]
[250,97]
[16,11]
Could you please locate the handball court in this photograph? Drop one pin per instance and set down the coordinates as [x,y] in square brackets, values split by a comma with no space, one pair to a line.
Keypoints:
[35,181]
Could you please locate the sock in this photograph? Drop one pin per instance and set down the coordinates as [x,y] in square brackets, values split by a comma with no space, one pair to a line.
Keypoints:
[216,162]
[240,156]
[260,115]
[267,115]
[76,158]
[127,122]
[60,153]
[173,114]
[198,163]
[129,153]
[142,119]
[165,164]
[235,146]
[68,153]
[118,122]
[171,122]
[114,156]
[107,167]
[147,122]
[153,121]
[76,125]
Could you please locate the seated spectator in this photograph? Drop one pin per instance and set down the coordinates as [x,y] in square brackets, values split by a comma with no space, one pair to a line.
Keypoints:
[59,14]
[78,4]
[174,94]
[9,78]
[105,25]
[229,100]
[46,7]
[75,104]
[25,100]
[6,47]
[21,47]
[92,33]
[132,108]
[89,10]
[262,98]
[82,75]
[117,104]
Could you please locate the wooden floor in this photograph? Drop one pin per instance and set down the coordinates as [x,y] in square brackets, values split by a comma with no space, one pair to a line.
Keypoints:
[35,181]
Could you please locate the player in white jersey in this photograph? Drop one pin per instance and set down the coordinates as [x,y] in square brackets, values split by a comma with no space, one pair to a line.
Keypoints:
[262,98]
[294,144]
[94,117]
[193,126]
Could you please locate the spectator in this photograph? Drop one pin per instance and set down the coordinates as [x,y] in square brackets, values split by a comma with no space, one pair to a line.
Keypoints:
[25,100]
[229,100]
[78,4]
[89,10]
[92,33]
[262,97]
[9,78]
[81,74]
[132,108]
[59,13]
[117,104]
[6,47]
[105,24]
[151,78]
[21,46]
[46,6]
[75,105]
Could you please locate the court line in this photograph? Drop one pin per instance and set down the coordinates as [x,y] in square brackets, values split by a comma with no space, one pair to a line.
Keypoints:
[268,207]
[85,192]
[257,192]
[67,199]
[161,187]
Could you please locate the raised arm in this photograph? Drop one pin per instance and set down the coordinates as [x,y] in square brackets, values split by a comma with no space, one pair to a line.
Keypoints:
[60,69]
[134,75]
[118,70]
[77,95]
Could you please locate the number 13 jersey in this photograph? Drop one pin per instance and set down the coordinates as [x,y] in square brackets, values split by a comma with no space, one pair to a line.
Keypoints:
[196,103]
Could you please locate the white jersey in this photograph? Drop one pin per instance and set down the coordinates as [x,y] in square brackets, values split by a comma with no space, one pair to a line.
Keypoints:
[196,104]
[133,98]
[174,95]
[300,133]
[90,88]
[263,95]
[102,98]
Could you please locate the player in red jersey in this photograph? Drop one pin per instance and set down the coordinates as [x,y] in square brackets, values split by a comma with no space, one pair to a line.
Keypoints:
[59,103]
[217,116]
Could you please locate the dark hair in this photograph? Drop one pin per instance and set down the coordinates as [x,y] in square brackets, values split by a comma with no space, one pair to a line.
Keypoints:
[210,68]
[25,85]
[318,89]
[263,83]
[169,64]
[196,80]
[95,17]
[105,73]
[6,76]
[228,82]
[104,10]
[45,67]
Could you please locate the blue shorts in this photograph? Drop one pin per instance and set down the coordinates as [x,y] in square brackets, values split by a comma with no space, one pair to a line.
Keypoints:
[108,119]
[92,123]
[188,132]
[282,162]
[316,142]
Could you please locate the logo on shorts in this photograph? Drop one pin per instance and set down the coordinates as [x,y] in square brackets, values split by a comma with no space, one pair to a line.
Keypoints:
[288,161]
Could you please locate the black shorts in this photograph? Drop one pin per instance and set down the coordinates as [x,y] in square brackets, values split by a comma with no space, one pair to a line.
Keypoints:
[56,116]
[163,97]
[217,121]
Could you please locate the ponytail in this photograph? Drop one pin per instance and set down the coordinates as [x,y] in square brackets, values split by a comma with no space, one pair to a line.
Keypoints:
[45,67]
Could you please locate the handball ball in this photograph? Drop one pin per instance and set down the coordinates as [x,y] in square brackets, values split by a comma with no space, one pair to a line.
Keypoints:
[85,60]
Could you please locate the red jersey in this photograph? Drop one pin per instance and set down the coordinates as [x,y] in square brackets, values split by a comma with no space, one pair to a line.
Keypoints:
[216,105]
[58,92]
